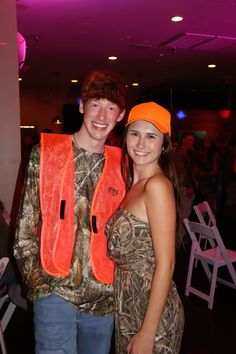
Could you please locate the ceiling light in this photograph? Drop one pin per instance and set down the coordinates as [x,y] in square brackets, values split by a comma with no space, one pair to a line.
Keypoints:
[135,84]
[211,66]
[20,79]
[112,57]
[74,81]
[176,18]
[57,120]
[27,126]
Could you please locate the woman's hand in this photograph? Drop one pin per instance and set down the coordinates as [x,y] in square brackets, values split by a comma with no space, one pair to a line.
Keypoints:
[140,344]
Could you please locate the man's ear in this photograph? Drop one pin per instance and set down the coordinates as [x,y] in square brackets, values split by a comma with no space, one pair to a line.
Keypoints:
[121,116]
[81,107]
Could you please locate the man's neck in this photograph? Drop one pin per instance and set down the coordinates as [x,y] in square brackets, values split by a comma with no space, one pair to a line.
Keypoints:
[83,140]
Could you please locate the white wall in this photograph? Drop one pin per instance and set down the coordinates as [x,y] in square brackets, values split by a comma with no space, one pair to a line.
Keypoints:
[9,103]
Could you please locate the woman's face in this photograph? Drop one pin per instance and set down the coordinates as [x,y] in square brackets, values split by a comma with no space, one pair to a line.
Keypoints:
[144,142]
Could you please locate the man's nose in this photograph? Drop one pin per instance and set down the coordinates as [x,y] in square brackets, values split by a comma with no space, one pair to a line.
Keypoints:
[102,113]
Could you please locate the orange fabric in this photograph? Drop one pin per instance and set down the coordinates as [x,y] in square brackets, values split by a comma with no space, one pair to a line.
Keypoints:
[153,113]
[56,184]
[110,191]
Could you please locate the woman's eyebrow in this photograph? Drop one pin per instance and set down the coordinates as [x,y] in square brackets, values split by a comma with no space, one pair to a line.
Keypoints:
[137,131]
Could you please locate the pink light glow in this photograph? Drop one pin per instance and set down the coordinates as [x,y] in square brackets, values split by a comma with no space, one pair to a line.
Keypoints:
[21,50]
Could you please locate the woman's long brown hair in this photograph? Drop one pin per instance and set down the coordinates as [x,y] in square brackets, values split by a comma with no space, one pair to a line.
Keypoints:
[167,164]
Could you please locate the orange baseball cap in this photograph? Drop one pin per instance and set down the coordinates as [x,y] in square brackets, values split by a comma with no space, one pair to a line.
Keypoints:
[152,113]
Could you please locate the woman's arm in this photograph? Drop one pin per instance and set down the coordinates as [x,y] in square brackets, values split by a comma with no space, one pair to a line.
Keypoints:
[161,213]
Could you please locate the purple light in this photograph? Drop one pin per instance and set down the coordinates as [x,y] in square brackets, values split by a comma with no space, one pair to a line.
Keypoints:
[77,100]
[181,115]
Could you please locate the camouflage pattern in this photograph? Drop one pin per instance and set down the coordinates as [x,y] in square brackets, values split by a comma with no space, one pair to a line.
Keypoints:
[130,246]
[80,287]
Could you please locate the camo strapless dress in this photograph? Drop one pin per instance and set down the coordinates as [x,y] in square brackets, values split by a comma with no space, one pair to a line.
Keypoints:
[130,246]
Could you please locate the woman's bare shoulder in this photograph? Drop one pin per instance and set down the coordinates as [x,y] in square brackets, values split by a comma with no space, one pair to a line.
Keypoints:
[157,182]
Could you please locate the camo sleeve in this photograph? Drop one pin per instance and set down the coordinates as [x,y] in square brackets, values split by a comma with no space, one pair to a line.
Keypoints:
[26,243]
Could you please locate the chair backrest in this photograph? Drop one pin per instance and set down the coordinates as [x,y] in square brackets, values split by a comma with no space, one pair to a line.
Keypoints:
[3,263]
[216,244]
[205,214]
[197,230]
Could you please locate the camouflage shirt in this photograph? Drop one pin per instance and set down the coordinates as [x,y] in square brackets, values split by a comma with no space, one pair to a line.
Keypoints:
[79,287]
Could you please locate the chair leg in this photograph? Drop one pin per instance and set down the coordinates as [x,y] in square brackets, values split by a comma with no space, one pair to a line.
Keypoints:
[7,315]
[213,287]
[189,276]
[2,342]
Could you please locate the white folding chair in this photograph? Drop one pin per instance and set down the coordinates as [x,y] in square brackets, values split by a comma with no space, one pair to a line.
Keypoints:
[10,307]
[206,217]
[205,214]
[3,263]
[211,258]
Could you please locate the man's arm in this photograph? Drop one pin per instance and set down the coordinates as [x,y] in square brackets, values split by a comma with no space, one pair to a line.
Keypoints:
[26,244]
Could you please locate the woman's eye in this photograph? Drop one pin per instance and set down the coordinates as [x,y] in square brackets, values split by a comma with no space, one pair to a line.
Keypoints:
[151,137]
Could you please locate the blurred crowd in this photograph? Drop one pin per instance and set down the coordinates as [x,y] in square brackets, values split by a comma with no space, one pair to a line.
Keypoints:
[207,171]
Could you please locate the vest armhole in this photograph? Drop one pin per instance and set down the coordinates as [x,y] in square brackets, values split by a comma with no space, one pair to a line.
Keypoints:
[94,224]
[62,209]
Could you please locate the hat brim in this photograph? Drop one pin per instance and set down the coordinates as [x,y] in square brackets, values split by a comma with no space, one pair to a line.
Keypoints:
[157,125]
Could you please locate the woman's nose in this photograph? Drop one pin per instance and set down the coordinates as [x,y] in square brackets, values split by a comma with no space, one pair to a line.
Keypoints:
[141,142]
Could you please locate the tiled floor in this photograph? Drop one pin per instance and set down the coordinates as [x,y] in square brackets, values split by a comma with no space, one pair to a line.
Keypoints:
[206,331]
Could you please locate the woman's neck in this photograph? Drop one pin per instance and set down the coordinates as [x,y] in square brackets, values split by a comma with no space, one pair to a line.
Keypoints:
[142,173]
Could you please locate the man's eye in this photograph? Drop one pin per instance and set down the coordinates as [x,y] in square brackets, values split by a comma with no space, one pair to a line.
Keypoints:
[113,108]
[151,137]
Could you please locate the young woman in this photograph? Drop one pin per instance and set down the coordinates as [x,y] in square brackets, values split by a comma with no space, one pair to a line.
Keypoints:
[142,239]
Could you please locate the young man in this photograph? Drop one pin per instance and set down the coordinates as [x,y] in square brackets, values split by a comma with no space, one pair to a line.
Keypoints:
[73,185]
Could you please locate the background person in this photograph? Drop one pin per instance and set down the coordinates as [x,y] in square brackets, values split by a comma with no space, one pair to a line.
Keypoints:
[186,168]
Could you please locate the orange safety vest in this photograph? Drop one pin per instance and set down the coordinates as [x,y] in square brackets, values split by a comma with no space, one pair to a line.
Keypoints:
[57,207]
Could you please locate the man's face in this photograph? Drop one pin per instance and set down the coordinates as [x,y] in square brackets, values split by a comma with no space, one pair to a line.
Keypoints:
[100,117]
